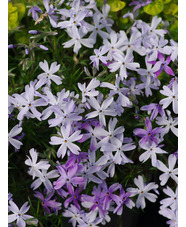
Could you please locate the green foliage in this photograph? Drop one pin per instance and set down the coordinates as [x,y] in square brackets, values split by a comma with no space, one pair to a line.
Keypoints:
[155,8]
[116,5]
[15,14]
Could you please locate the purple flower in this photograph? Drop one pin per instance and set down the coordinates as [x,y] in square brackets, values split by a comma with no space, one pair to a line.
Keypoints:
[161,65]
[94,202]
[138,4]
[35,10]
[74,197]
[123,199]
[68,178]
[169,123]
[155,108]
[171,50]
[109,195]
[148,135]
[47,202]
[117,89]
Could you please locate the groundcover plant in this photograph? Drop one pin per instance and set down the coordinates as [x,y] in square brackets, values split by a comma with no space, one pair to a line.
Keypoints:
[93,105]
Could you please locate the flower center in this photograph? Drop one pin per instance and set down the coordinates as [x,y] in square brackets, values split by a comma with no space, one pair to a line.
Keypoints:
[65,141]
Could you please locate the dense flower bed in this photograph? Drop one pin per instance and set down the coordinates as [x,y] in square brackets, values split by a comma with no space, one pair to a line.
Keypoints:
[93,104]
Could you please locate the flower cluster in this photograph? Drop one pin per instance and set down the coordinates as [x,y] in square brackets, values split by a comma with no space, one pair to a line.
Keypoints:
[90,139]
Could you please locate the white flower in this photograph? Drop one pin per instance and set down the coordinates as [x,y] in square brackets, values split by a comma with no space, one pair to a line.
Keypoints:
[14,132]
[143,192]
[19,214]
[35,167]
[168,171]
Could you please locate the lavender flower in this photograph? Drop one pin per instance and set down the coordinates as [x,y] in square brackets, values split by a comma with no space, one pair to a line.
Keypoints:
[66,140]
[48,75]
[102,110]
[68,178]
[47,202]
[172,97]
[143,192]
[12,134]
[99,57]
[19,214]
[168,171]
[148,135]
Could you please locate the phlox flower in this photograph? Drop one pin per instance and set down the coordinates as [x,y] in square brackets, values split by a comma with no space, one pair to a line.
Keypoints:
[105,16]
[151,152]
[45,180]
[161,65]
[68,178]
[168,172]
[48,75]
[34,10]
[172,215]
[116,42]
[148,135]
[89,91]
[153,27]
[97,26]
[143,192]
[12,134]
[19,214]
[138,4]
[172,200]
[148,84]
[47,202]
[66,139]
[35,168]
[158,47]
[171,50]
[169,123]
[74,214]
[77,40]
[50,12]
[132,44]
[153,109]
[74,198]
[101,110]
[111,135]
[65,116]
[26,103]
[172,97]
[123,63]
[117,89]
[94,135]
[99,56]
[123,199]
[109,195]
